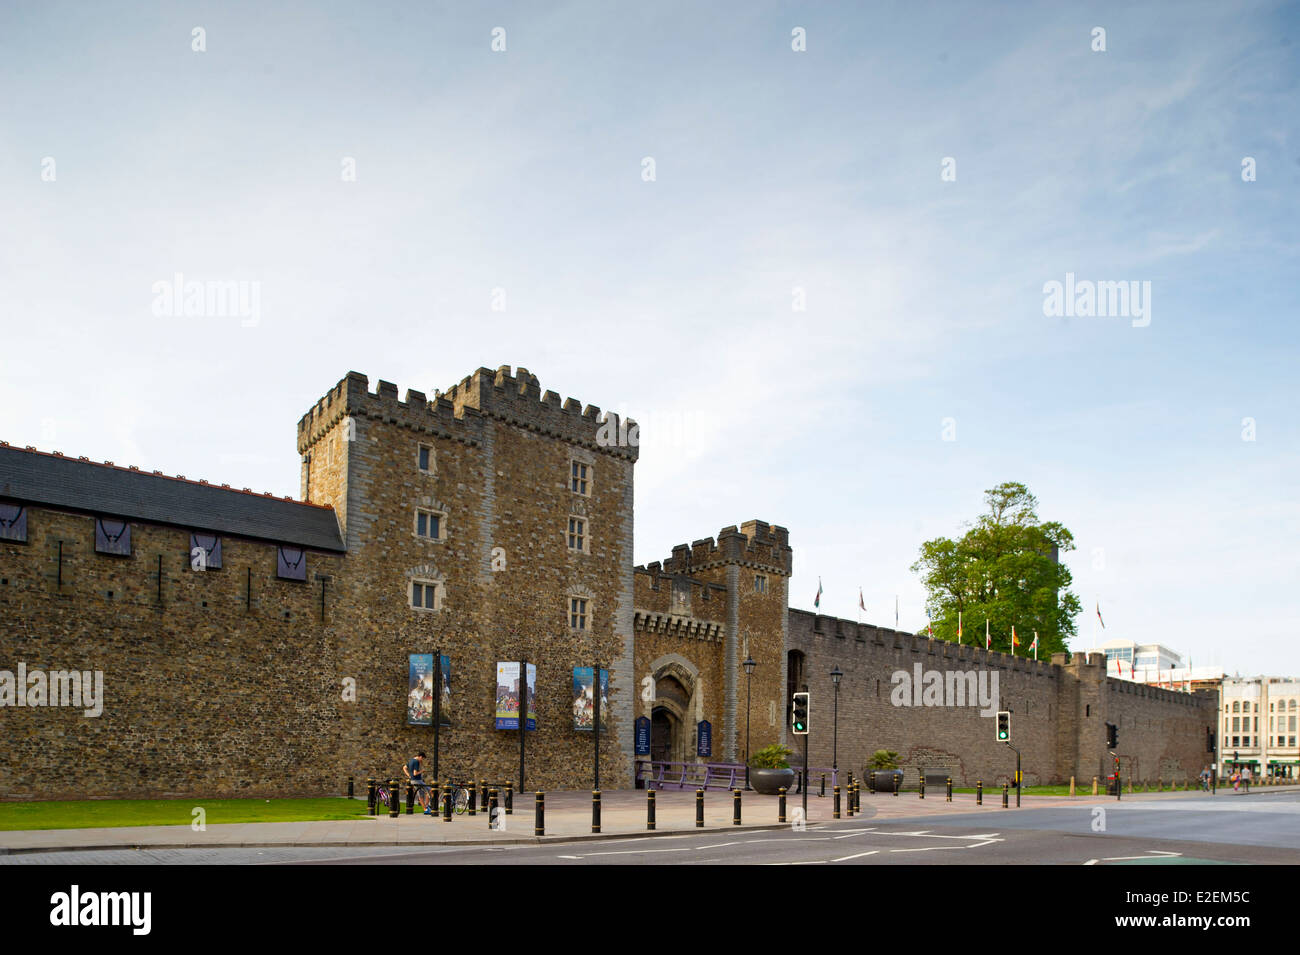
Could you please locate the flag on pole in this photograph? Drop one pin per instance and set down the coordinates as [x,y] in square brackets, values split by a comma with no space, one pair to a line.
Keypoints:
[861,606]
[817,601]
[988,641]
[1102,622]
[1034,645]
[895,611]
[929,628]
[958,628]
[1014,642]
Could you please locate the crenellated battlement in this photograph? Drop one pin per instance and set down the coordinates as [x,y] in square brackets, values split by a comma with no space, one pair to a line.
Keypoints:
[460,413]
[753,544]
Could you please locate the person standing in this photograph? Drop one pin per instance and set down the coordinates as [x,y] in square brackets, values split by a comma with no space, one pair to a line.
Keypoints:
[414,770]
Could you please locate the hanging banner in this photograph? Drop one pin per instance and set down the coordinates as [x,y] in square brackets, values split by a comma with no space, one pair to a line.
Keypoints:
[704,738]
[419,692]
[583,702]
[446,710]
[509,693]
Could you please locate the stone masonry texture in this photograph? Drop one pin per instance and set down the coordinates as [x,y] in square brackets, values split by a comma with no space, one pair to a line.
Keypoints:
[230,681]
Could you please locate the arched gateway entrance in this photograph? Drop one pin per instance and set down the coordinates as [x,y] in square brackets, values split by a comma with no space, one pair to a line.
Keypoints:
[671,723]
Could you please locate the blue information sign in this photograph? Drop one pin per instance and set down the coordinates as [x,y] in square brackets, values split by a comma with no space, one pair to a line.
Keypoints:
[643,736]
[704,735]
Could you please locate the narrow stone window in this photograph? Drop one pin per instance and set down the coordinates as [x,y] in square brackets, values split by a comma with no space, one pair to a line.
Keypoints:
[580,475]
[578,613]
[426,595]
[428,524]
[578,535]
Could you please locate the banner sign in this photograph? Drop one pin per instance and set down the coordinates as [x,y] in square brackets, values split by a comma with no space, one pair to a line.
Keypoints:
[509,694]
[583,702]
[704,736]
[419,692]
[643,736]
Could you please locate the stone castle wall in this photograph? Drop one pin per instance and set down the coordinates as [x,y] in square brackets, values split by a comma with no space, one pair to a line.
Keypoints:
[1058,711]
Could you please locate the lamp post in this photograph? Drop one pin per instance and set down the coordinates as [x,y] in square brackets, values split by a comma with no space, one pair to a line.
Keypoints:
[835,739]
[749,665]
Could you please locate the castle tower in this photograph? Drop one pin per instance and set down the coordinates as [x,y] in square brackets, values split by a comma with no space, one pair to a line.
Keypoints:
[493,523]
[699,615]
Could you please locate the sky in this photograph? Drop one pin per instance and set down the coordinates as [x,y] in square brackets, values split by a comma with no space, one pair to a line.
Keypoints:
[818,277]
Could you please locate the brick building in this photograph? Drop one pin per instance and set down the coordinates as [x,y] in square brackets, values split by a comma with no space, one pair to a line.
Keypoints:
[250,645]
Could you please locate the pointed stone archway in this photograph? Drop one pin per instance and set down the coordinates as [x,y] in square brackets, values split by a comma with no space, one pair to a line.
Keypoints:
[678,697]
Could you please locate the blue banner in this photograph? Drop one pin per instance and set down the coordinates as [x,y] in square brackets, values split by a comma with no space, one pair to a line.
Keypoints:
[643,736]
[704,736]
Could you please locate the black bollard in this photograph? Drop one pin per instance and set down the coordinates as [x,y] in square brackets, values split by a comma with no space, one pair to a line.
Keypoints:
[949,789]
[410,797]
[539,821]
[823,792]
[979,792]
[370,796]
[898,778]
[780,802]
[595,810]
[482,793]
[699,809]
[394,797]
[510,798]
[492,809]
[472,794]
[850,800]
[1004,796]
[835,804]
[735,807]
[447,800]
[922,790]
[650,810]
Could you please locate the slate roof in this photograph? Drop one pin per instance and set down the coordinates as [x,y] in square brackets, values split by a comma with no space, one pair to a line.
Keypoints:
[51,480]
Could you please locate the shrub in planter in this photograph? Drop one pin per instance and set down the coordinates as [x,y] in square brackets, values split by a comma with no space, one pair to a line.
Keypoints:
[770,770]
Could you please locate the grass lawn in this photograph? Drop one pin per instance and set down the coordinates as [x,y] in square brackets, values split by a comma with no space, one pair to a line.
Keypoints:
[95,813]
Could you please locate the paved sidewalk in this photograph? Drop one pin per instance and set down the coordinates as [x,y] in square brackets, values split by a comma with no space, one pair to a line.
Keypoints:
[568,817]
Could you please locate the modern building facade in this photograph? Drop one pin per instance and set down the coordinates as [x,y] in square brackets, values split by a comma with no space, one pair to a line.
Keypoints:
[1258,719]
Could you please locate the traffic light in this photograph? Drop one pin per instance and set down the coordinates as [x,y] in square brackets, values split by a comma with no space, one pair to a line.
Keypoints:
[799,715]
[1112,736]
[1004,726]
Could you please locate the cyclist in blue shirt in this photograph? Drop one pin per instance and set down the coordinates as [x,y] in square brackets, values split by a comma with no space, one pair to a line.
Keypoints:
[414,770]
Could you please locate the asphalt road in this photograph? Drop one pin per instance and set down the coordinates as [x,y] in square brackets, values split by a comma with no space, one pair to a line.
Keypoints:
[1260,828]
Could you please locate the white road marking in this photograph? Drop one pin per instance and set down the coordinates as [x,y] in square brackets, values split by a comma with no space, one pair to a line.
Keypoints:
[1151,854]
[857,856]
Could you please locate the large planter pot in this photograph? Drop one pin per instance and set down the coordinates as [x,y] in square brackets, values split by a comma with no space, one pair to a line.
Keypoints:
[769,781]
[883,779]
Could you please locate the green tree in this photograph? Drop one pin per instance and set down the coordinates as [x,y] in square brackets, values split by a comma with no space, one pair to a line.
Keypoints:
[1003,570]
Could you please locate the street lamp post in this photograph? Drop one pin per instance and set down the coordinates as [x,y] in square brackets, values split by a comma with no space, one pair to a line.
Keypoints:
[749,665]
[835,738]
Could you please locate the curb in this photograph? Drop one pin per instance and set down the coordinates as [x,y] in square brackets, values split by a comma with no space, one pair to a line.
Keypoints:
[515,841]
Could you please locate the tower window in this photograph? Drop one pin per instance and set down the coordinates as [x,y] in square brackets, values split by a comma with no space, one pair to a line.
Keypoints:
[578,613]
[579,476]
[428,524]
[578,535]
[426,595]
[425,459]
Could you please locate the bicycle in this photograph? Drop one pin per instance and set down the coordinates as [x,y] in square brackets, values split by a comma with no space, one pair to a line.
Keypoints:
[438,797]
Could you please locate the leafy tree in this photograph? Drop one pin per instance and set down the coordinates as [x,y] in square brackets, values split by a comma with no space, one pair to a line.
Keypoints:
[1003,570]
